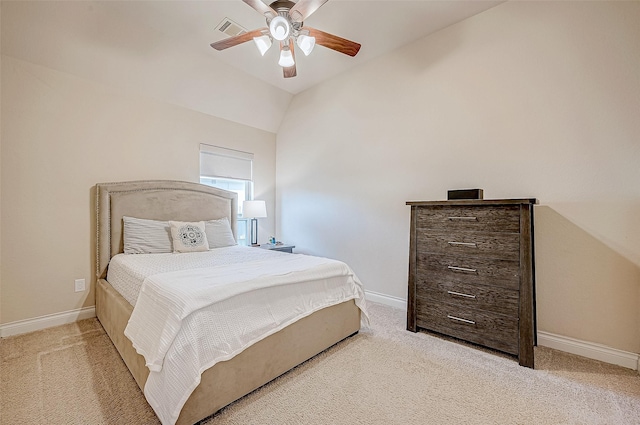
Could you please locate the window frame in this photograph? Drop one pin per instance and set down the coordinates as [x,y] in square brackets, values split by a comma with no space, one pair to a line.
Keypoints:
[237,167]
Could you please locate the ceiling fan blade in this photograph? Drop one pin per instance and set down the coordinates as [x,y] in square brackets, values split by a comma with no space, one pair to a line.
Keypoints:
[289,71]
[262,8]
[304,8]
[334,42]
[238,39]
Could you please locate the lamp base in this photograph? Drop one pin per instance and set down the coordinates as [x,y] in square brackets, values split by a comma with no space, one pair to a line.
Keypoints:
[254,232]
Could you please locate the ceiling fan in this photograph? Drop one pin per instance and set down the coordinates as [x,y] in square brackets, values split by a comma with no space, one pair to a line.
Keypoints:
[285,25]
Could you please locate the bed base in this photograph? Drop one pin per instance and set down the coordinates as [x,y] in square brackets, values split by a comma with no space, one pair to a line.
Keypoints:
[230,380]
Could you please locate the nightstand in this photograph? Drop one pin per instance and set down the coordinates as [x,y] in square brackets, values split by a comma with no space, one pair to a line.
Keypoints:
[278,247]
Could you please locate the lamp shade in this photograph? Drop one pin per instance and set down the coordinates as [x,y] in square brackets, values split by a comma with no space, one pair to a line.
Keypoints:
[262,43]
[286,58]
[306,43]
[254,209]
[279,28]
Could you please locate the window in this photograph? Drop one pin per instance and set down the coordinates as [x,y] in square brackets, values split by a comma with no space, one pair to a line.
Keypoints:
[230,170]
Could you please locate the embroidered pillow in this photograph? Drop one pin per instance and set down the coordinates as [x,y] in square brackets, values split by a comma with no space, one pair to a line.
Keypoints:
[219,233]
[189,236]
[142,236]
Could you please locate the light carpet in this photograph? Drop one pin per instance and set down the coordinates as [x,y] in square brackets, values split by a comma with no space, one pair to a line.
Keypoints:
[72,374]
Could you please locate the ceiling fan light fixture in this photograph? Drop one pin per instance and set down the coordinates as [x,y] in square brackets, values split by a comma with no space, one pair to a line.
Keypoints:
[285,26]
[306,43]
[279,28]
[263,43]
[286,58]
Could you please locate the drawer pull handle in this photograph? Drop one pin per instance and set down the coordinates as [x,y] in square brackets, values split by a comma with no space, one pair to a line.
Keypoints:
[469,244]
[471,322]
[461,269]
[460,294]
[464,218]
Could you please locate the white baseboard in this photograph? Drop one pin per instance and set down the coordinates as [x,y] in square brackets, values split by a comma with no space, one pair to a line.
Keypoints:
[590,350]
[569,345]
[587,349]
[43,322]
[377,297]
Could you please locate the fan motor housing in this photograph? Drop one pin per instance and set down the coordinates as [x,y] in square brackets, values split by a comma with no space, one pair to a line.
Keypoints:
[282,5]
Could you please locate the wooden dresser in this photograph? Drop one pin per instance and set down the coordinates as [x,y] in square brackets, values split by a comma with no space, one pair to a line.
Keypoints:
[471,273]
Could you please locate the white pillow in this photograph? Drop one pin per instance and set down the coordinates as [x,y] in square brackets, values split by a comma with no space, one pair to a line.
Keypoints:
[143,236]
[189,236]
[219,233]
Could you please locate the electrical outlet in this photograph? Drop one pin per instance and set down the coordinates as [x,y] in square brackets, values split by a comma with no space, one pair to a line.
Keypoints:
[80,285]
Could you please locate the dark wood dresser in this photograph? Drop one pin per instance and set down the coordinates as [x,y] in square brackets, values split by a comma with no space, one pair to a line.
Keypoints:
[471,273]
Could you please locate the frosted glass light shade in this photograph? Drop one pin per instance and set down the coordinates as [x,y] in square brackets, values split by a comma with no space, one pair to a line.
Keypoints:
[279,28]
[254,209]
[262,43]
[286,58]
[306,43]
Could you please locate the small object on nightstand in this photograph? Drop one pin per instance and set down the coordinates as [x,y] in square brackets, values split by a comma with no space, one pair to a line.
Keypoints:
[278,246]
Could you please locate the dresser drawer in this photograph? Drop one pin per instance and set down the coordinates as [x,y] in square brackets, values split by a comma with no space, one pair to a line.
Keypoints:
[477,297]
[471,270]
[481,327]
[470,218]
[487,245]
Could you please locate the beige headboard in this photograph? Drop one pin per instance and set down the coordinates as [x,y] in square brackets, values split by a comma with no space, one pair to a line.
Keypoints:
[155,200]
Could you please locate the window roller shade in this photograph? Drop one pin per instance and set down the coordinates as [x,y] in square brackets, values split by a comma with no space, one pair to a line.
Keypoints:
[225,163]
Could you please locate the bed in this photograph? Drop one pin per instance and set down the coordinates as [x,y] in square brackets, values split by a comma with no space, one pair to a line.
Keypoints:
[228,380]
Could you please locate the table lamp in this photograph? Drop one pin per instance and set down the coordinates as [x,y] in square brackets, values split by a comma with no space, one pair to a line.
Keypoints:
[254,210]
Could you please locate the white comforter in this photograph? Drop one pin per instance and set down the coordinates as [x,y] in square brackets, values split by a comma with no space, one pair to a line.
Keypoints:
[186,321]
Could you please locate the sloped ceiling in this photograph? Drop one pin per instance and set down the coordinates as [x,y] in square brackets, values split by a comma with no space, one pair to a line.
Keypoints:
[161,49]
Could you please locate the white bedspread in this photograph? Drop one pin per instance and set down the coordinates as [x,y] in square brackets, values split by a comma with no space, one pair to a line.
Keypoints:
[127,272]
[186,321]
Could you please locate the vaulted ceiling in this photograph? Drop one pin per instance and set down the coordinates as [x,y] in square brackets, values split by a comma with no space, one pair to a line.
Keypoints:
[161,48]
[379,26]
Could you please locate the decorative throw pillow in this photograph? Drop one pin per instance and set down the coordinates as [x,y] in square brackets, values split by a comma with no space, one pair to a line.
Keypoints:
[189,236]
[142,236]
[219,233]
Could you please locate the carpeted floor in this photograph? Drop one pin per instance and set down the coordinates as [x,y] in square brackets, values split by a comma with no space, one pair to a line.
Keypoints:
[384,375]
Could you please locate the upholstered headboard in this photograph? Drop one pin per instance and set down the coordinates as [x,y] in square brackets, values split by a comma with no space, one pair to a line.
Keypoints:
[155,200]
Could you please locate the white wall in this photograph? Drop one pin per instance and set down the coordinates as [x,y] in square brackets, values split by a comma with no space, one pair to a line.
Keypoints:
[0,165]
[116,44]
[528,99]
[92,93]
[60,136]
